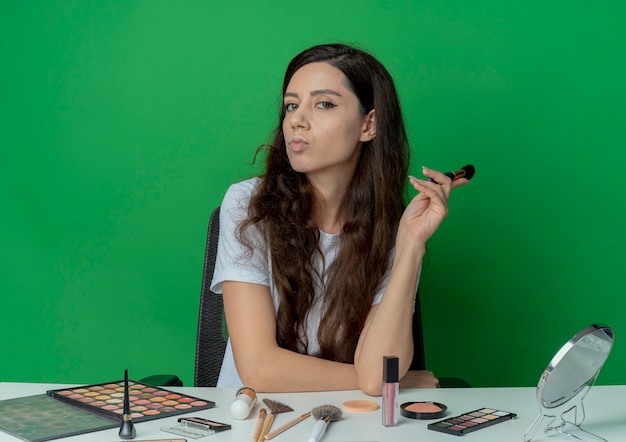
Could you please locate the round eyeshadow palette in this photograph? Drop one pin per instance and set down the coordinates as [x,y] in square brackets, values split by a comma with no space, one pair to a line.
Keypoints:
[147,402]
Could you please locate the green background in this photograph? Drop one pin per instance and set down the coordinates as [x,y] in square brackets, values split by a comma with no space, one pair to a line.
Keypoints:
[123,123]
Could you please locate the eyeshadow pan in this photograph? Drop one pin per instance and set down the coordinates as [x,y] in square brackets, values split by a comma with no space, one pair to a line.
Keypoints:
[472,421]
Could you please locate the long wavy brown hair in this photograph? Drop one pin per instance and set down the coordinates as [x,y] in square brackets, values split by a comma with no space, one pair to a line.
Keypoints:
[281,208]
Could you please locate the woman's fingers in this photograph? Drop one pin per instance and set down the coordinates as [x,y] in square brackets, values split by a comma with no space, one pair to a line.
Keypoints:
[436,193]
[437,181]
[436,176]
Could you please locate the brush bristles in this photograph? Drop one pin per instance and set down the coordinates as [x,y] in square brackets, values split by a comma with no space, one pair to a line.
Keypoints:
[276,407]
[469,171]
[329,413]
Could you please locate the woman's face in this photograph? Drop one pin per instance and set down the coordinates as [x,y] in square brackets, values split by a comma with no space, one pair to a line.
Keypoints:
[323,125]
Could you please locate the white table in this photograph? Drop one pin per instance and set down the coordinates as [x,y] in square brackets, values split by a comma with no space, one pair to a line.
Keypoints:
[605,407]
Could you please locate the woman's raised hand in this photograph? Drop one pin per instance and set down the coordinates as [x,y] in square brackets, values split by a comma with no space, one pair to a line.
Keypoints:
[429,207]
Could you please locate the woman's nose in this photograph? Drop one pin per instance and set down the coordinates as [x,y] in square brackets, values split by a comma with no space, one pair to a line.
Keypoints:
[298,118]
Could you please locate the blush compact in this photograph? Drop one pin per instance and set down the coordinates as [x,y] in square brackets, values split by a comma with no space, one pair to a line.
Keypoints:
[423,410]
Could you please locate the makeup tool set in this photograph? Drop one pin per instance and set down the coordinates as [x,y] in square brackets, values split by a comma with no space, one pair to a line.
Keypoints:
[324,415]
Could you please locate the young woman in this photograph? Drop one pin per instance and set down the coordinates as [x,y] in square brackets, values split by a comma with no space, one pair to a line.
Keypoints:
[319,258]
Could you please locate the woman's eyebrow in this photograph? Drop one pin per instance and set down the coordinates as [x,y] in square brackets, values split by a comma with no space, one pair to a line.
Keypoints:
[325,92]
[315,92]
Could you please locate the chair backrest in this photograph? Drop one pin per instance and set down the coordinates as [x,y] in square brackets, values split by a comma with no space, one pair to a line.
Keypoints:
[211,337]
[210,340]
[419,360]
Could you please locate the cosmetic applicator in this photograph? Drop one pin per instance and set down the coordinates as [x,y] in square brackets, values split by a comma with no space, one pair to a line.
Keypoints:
[324,414]
[287,426]
[127,429]
[464,172]
[275,408]
[243,403]
[259,425]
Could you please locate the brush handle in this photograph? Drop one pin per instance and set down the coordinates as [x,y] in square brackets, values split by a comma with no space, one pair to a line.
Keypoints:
[259,425]
[287,426]
[318,430]
[266,426]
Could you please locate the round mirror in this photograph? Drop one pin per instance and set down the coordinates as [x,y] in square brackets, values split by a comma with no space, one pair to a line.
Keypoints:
[575,366]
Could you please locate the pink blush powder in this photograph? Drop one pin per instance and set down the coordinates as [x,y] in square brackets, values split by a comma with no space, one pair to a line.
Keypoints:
[423,407]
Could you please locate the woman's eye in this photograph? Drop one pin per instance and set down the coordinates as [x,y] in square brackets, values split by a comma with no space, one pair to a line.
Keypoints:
[325,105]
[290,106]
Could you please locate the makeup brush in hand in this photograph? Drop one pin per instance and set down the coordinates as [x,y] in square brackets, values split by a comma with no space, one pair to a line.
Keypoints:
[324,414]
[275,408]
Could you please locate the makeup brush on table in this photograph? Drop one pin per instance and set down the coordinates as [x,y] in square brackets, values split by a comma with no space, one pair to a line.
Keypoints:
[324,414]
[275,408]
[259,425]
[287,426]
[127,429]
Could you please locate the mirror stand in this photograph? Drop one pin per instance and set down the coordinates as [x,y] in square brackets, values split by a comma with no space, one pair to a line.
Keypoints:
[569,415]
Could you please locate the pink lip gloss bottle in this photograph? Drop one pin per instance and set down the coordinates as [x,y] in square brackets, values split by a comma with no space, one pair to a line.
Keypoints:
[391,390]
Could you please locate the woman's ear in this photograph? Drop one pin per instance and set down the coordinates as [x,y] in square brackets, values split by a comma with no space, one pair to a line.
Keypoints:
[369,126]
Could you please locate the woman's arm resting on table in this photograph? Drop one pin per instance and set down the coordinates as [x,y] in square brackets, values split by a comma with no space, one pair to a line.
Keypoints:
[260,362]
[419,379]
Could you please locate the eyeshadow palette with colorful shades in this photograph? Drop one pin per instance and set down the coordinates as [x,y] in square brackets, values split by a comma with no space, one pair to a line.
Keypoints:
[472,421]
[147,402]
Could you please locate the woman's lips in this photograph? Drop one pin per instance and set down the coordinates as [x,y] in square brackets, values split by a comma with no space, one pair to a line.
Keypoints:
[298,143]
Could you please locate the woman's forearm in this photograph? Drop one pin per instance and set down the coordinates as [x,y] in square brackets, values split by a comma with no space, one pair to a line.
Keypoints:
[389,327]
[286,371]
[261,363]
